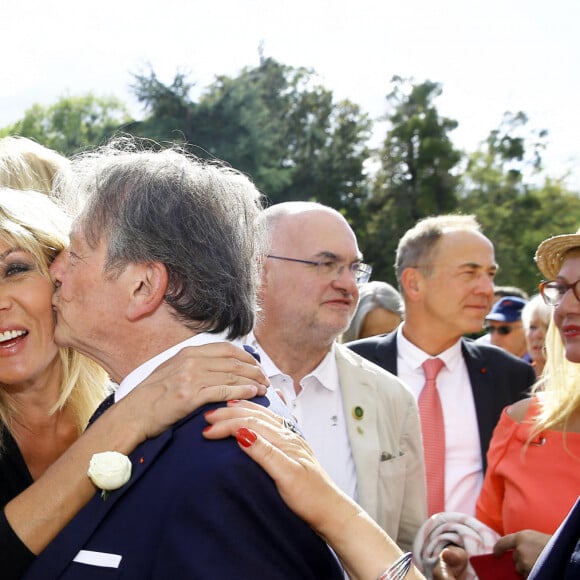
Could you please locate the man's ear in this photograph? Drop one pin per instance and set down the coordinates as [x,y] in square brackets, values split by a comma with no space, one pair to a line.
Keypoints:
[263,279]
[148,286]
[411,279]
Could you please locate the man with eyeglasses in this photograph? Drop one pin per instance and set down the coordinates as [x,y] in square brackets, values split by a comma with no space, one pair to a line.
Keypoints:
[446,267]
[505,327]
[361,421]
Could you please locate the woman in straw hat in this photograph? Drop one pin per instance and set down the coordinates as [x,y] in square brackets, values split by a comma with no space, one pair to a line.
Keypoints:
[558,259]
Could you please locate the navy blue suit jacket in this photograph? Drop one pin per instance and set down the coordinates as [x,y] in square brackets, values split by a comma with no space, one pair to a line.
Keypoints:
[497,378]
[561,556]
[193,508]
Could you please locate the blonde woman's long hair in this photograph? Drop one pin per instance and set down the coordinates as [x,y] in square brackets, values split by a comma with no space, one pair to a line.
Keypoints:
[26,164]
[31,222]
[559,389]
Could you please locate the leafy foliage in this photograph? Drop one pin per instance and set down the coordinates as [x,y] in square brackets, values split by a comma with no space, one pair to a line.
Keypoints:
[515,213]
[272,122]
[72,123]
[415,177]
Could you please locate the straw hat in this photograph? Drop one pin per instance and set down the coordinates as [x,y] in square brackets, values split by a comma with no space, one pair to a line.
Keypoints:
[550,253]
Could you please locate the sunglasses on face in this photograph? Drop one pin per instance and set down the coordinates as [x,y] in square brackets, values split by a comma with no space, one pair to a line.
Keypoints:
[503,330]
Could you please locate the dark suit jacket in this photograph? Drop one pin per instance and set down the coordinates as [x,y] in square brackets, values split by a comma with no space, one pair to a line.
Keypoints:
[193,508]
[561,556]
[497,378]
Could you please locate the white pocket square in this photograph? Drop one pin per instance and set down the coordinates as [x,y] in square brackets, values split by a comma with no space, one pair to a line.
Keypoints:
[102,559]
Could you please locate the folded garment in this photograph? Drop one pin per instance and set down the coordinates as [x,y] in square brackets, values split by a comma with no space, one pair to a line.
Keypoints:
[451,528]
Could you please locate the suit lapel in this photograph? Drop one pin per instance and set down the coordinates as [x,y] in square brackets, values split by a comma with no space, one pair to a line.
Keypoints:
[386,353]
[61,552]
[360,407]
[481,379]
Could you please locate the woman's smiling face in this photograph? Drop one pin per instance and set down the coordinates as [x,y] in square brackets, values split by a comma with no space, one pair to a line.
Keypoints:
[27,348]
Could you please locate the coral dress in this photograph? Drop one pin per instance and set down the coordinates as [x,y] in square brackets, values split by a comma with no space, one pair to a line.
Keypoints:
[529,486]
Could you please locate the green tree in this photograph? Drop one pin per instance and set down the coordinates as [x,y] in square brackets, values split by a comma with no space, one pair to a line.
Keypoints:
[170,107]
[273,122]
[518,207]
[72,123]
[415,177]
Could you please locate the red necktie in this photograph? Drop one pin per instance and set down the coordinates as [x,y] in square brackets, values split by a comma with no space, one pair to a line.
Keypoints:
[433,436]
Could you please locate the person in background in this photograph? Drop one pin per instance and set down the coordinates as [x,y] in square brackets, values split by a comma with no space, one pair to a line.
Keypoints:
[505,327]
[361,421]
[536,316]
[380,310]
[536,445]
[147,273]
[445,269]
[500,292]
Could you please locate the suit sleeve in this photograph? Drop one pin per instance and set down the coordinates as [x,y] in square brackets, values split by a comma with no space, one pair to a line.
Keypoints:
[227,520]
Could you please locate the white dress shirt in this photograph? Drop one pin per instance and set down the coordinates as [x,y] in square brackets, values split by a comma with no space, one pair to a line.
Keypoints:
[319,412]
[463,464]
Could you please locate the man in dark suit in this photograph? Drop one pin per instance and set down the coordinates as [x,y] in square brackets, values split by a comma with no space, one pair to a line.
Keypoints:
[164,256]
[445,267]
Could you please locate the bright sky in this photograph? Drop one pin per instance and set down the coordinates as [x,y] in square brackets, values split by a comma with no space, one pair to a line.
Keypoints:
[490,55]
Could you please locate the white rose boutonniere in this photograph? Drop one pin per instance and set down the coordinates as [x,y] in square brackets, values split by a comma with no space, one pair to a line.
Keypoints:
[109,470]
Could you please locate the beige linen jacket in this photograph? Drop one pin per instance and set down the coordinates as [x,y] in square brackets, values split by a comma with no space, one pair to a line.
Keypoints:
[384,431]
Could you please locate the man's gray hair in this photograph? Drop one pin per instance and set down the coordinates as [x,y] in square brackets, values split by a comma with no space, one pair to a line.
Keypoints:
[197,217]
[418,245]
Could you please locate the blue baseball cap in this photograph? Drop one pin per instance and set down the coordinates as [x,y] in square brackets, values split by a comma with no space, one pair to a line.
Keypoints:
[507,309]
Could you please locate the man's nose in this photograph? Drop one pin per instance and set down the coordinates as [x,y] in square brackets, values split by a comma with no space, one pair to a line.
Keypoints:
[345,278]
[56,269]
[485,284]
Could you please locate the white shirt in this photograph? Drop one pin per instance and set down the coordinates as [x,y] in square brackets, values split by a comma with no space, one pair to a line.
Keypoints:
[463,463]
[138,375]
[319,412]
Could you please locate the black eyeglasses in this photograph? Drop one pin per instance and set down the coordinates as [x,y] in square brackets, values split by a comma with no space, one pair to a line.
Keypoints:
[332,269]
[553,291]
[504,329]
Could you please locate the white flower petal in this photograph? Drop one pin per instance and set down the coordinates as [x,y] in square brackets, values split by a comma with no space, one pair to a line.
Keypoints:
[109,470]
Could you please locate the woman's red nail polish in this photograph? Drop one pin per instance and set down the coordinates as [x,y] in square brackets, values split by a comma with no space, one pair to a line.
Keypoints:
[209,412]
[206,429]
[246,437]
[233,401]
